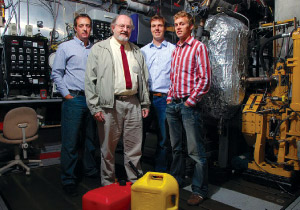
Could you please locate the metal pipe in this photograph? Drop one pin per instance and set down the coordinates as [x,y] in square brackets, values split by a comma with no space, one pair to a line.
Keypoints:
[19,13]
[298,149]
[202,21]
[258,79]
[144,1]
[54,24]
[27,12]
[138,6]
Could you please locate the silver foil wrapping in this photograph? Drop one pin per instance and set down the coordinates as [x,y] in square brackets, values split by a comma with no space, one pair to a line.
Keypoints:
[227,47]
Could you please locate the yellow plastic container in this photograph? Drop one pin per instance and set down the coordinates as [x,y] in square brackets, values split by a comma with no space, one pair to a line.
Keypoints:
[155,191]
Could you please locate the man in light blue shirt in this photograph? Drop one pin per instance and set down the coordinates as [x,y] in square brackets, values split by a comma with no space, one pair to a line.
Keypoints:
[158,58]
[68,73]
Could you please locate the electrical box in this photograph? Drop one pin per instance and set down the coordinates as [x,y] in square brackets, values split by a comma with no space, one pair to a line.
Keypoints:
[101,29]
[101,21]
[12,29]
[29,30]
[26,65]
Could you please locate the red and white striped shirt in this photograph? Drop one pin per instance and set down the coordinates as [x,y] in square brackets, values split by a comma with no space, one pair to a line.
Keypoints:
[190,71]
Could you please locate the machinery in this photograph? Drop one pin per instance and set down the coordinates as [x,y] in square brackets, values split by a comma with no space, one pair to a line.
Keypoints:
[271,119]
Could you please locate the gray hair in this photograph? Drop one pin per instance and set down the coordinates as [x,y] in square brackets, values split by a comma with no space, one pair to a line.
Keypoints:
[114,21]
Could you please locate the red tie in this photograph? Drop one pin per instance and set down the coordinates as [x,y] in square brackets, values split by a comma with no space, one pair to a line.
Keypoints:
[126,68]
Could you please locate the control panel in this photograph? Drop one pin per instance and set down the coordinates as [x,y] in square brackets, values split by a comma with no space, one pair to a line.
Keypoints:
[26,65]
[101,29]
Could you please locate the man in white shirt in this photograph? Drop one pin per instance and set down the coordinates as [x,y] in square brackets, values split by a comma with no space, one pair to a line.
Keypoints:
[118,97]
[158,58]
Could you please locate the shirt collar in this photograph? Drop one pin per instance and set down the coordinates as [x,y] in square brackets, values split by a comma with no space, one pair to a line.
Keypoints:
[81,42]
[117,44]
[164,43]
[189,41]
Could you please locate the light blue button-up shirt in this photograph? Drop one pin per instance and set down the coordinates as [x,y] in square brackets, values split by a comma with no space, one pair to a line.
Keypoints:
[158,61]
[69,65]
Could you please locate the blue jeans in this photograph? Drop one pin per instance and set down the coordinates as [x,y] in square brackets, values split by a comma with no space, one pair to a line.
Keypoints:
[189,118]
[161,158]
[158,114]
[77,124]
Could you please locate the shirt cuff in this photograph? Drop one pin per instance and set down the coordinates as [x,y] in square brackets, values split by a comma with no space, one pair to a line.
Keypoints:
[191,102]
[64,93]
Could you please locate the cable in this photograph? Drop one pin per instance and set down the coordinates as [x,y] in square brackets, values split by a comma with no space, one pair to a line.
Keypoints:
[54,24]
[48,7]
[279,54]
[261,50]
[9,5]
[287,48]
[275,181]
[7,88]
[8,21]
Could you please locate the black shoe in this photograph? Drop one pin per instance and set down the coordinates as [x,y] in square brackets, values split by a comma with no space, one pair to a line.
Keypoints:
[70,189]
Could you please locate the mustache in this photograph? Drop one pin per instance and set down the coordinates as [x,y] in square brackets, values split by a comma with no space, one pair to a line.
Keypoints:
[125,33]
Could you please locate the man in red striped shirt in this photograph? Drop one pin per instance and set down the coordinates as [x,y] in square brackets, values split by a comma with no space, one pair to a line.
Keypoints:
[190,80]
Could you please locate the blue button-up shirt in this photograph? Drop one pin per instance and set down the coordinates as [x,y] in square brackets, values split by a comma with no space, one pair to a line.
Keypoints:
[69,65]
[158,61]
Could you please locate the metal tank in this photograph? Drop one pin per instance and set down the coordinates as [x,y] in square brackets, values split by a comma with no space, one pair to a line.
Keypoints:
[227,47]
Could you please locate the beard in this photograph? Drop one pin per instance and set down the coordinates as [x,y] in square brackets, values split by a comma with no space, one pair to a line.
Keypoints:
[122,38]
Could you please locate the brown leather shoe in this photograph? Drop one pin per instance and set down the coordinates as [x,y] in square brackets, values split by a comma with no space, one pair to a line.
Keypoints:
[195,200]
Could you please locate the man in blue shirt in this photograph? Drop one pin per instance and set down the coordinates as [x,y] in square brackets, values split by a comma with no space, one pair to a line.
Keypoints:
[68,73]
[158,58]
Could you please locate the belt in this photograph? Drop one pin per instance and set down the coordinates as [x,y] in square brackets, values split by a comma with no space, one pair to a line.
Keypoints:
[77,92]
[123,97]
[180,100]
[159,94]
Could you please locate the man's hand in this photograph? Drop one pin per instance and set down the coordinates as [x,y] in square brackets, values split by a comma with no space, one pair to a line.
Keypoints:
[99,116]
[186,104]
[68,97]
[145,113]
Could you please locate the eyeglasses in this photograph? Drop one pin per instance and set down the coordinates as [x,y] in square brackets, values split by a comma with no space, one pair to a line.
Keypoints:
[122,26]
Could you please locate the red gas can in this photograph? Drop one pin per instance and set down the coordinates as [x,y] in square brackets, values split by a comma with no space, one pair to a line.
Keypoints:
[110,197]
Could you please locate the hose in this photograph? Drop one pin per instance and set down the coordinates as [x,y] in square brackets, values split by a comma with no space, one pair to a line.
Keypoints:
[261,50]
